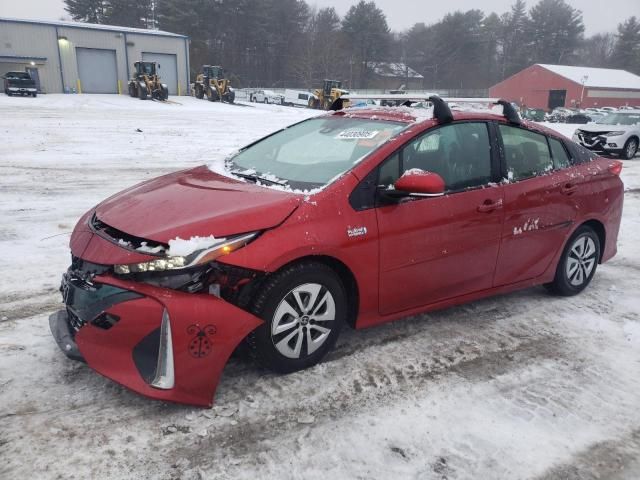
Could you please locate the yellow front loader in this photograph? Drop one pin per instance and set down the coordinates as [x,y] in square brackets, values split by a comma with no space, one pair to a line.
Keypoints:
[324,97]
[213,84]
[146,82]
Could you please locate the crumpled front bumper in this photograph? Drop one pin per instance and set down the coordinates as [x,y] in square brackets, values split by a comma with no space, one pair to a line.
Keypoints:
[22,89]
[599,143]
[203,329]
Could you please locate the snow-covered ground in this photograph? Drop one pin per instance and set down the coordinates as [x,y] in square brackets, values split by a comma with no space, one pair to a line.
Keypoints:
[521,386]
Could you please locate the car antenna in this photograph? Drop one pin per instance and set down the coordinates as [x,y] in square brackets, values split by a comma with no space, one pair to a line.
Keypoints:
[441,110]
[509,112]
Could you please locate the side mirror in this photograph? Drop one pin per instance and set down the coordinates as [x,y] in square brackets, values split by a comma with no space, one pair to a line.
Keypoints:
[416,182]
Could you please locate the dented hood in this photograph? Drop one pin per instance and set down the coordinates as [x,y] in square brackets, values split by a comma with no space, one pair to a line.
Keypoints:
[195,202]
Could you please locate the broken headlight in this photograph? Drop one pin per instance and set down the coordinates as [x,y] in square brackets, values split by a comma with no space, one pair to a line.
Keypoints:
[223,246]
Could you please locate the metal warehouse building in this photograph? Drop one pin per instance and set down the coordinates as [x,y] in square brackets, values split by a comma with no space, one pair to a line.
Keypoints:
[551,86]
[88,58]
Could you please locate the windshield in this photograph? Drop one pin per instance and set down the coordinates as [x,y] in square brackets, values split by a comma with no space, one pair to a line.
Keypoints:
[312,153]
[620,119]
[18,75]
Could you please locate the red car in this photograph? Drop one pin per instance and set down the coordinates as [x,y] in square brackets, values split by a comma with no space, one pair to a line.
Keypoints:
[358,217]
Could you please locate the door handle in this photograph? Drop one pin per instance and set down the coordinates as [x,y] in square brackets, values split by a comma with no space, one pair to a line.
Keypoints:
[489,206]
[569,188]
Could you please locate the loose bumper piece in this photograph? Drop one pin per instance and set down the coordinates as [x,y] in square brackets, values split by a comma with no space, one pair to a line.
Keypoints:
[165,344]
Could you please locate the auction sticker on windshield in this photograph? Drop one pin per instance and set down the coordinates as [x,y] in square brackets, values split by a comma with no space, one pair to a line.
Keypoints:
[357,134]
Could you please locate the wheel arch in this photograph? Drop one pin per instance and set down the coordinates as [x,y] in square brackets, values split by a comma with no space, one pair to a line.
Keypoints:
[600,230]
[346,276]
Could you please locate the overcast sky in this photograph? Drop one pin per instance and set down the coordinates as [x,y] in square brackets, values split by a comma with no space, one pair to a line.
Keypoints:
[599,15]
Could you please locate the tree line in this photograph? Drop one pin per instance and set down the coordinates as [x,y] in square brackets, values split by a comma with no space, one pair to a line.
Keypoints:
[277,43]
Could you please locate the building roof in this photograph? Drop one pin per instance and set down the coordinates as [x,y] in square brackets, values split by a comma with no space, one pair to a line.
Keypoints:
[395,70]
[596,77]
[93,26]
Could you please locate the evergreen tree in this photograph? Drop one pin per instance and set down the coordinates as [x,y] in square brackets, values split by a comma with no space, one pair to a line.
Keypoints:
[626,54]
[365,27]
[129,13]
[514,39]
[596,51]
[556,31]
[459,47]
[91,11]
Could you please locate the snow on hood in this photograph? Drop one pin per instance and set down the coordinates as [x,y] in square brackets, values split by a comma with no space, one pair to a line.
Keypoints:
[182,248]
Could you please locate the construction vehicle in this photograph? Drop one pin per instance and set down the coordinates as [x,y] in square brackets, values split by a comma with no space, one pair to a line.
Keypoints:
[146,82]
[212,83]
[324,97]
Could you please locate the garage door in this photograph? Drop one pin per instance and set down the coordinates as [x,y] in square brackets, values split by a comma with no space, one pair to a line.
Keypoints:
[97,70]
[168,69]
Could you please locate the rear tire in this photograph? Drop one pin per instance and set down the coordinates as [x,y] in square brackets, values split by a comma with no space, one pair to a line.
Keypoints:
[34,94]
[304,307]
[630,149]
[578,263]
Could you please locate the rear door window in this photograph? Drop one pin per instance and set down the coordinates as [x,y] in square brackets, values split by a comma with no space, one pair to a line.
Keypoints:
[560,157]
[526,153]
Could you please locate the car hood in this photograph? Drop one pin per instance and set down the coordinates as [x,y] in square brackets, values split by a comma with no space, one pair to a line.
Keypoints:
[601,127]
[195,202]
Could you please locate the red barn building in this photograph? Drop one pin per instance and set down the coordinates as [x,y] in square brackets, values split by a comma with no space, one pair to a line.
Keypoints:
[551,86]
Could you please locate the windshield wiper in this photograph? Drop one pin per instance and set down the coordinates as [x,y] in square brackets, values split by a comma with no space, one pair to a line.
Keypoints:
[254,178]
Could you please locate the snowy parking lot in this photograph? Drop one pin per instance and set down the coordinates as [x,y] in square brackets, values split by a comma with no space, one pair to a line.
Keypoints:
[520,386]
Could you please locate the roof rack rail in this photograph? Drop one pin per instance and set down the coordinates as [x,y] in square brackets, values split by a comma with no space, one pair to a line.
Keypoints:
[441,110]
[509,112]
[441,107]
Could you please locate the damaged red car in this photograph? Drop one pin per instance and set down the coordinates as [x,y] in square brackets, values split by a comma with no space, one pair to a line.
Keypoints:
[355,218]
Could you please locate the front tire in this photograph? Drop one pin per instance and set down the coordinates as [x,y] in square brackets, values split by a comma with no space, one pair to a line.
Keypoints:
[304,307]
[578,263]
[630,149]
[142,92]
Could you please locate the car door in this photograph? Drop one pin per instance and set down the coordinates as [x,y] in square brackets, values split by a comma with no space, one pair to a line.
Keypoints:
[433,249]
[539,203]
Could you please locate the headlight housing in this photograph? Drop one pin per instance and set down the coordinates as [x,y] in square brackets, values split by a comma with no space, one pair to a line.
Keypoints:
[613,134]
[223,247]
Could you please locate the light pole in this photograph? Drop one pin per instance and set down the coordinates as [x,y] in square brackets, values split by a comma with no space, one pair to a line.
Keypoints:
[584,80]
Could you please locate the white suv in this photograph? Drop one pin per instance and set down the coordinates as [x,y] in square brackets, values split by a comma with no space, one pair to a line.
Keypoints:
[617,132]
[267,96]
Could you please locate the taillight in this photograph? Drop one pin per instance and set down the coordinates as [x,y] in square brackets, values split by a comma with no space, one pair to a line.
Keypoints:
[616,167]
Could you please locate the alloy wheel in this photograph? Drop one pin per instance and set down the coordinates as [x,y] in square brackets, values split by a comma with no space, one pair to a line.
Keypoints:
[303,320]
[632,149]
[581,260]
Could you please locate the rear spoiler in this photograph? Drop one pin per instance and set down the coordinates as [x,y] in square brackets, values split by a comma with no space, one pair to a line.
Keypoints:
[441,109]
